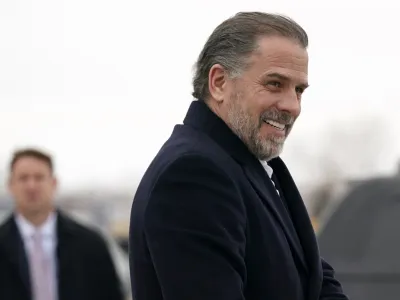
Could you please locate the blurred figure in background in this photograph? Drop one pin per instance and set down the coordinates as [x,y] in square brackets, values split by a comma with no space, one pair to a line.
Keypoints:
[217,215]
[44,254]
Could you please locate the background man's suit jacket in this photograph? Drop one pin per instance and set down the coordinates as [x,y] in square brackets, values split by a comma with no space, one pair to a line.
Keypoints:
[207,224]
[85,267]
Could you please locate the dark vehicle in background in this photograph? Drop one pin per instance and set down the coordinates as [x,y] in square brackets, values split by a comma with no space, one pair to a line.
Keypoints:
[361,239]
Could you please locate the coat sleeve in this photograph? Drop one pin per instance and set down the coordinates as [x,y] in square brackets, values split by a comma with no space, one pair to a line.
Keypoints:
[331,288]
[195,230]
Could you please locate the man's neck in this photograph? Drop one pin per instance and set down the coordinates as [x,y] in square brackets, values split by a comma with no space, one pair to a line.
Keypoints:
[36,218]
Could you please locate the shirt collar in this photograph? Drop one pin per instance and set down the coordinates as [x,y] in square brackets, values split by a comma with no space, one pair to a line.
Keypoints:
[267,168]
[27,229]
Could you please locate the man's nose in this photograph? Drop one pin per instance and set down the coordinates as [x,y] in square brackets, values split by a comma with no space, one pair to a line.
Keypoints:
[290,103]
[31,183]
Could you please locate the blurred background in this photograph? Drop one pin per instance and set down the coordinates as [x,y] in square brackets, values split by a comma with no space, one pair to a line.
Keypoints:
[100,84]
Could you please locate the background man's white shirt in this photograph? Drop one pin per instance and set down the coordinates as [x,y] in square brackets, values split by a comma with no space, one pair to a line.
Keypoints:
[49,243]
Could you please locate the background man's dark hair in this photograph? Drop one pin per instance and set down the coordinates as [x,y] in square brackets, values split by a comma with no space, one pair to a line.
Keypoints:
[234,40]
[34,153]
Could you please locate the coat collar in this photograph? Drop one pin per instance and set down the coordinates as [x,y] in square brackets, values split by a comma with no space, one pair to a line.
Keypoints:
[202,118]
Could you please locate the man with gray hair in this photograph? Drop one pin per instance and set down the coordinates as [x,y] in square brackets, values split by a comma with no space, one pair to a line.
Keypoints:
[217,215]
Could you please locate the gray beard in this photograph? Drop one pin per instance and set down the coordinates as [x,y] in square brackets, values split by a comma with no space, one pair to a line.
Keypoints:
[248,130]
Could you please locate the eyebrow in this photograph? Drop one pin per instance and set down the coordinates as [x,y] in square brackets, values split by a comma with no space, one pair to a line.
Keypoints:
[285,78]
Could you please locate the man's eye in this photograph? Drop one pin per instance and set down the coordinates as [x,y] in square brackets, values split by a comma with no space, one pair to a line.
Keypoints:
[299,90]
[274,84]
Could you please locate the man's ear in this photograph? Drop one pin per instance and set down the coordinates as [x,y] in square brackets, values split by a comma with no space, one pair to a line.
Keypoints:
[55,182]
[217,79]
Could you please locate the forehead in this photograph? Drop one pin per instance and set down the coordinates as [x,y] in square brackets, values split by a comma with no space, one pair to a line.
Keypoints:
[282,56]
[30,164]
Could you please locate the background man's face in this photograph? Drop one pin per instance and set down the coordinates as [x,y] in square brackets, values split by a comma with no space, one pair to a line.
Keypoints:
[32,185]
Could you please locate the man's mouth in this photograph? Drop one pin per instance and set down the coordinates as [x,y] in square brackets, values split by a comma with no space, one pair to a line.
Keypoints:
[275,124]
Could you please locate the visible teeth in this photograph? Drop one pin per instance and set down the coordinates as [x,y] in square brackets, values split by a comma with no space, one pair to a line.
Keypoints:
[275,124]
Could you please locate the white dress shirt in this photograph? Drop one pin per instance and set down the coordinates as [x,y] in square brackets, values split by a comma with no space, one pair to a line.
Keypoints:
[267,168]
[48,232]
[269,171]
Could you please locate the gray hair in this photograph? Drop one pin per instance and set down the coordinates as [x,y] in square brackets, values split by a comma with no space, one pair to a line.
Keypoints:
[235,39]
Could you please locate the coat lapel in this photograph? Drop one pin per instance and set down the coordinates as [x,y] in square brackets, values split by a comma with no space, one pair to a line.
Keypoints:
[266,191]
[15,251]
[303,225]
[66,267]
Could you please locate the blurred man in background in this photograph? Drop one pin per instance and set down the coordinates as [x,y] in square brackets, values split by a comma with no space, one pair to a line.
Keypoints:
[217,215]
[44,254]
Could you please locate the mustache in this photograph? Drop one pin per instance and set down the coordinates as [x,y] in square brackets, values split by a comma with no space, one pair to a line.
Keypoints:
[278,116]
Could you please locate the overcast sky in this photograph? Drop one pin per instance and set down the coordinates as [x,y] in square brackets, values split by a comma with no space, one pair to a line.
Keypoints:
[100,84]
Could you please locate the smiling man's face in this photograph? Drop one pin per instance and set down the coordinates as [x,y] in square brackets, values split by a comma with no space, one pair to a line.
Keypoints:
[262,104]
